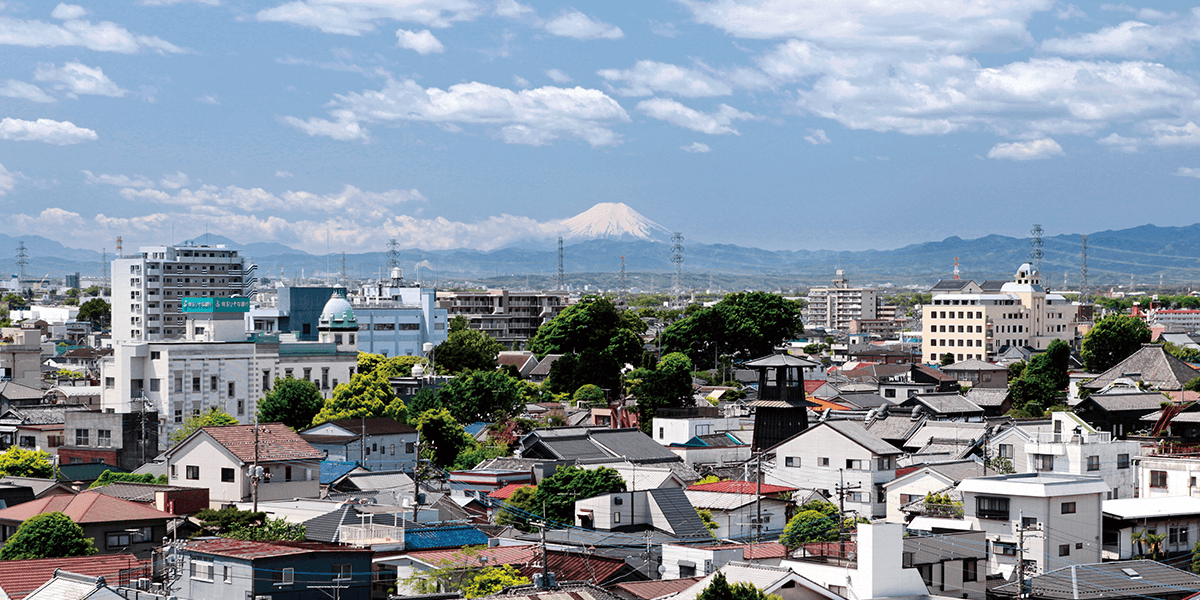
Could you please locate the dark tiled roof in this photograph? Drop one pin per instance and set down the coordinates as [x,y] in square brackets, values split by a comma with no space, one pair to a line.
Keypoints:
[1110,580]
[679,513]
[864,400]
[985,397]
[856,433]
[136,492]
[950,285]
[11,390]
[1153,365]
[252,550]
[37,484]
[543,366]
[43,415]
[896,426]
[275,442]
[1127,400]
[375,426]
[377,480]
[584,443]
[993,285]
[959,470]
[951,403]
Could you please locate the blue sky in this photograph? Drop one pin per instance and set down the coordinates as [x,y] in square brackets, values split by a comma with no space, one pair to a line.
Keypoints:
[781,124]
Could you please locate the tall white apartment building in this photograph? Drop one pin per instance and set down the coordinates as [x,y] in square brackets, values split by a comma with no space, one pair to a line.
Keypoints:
[835,307]
[970,320]
[147,287]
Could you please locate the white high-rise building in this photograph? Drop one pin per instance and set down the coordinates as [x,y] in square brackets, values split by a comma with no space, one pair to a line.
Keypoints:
[835,307]
[147,287]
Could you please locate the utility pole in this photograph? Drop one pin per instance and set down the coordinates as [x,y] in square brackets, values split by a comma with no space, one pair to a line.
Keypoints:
[255,471]
[842,488]
[758,501]
[1022,574]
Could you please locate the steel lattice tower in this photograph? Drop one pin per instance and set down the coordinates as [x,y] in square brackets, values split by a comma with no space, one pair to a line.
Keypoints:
[677,258]
[621,291]
[562,285]
[1035,253]
[22,262]
[1083,282]
[393,255]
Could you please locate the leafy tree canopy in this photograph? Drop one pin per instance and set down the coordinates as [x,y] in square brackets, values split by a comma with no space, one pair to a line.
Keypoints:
[1193,385]
[97,311]
[109,477]
[1042,381]
[668,385]
[481,396]
[446,436]
[48,535]
[720,589]
[588,393]
[746,325]
[559,491]
[220,522]
[293,402]
[19,462]
[366,395]
[213,417]
[591,325]
[463,574]
[1112,340]
[466,349]
[572,371]
[523,500]
[815,521]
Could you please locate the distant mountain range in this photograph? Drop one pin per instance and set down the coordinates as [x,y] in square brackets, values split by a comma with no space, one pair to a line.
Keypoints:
[598,238]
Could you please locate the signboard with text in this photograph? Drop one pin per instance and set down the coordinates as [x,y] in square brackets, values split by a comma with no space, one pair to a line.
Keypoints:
[215,305]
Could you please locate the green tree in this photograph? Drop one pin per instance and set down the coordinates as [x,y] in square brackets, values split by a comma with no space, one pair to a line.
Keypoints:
[477,452]
[523,500]
[668,385]
[15,301]
[97,311]
[270,530]
[720,589]
[442,431]
[108,477]
[815,521]
[591,325]
[398,366]
[481,396]
[213,417]
[293,402]
[1193,385]
[365,395]
[19,462]
[947,359]
[572,371]
[467,350]
[1182,353]
[48,535]
[1042,382]
[463,573]
[221,522]
[1112,340]
[745,325]
[588,394]
[426,399]
[558,492]
[1196,558]
[493,580]
[368,361]
[709,522]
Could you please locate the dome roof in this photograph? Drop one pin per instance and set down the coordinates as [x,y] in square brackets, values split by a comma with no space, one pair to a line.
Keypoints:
[337,314]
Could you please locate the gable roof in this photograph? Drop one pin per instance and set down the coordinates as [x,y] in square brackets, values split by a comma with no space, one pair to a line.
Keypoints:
[857,434]
[1126,401]
[18,578]
[39,485]
[973,364]
[543,366]
[583,443]
[253,550]
[656,588]
[1153,365]
[947,403]
[11,390]
[985,397]
[681,517]
[374,426]
[740,487]
[376,480]
[86,507]
[1118,579]
[136,492]
[945,430]
[276,442]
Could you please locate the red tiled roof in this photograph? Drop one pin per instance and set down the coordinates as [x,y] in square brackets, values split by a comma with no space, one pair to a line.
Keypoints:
[657,588]
[822,404]
[740,487]
[252,550]
[812,385]
[20,577]
[506,492]
[567,566]
[754,551]
[87,507]
[275,442]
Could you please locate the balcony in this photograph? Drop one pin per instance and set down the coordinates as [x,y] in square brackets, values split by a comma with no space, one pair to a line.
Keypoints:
[1045,437]
[842,554]
[369,534]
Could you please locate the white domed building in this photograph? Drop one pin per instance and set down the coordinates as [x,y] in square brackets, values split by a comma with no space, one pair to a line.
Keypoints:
[337,324]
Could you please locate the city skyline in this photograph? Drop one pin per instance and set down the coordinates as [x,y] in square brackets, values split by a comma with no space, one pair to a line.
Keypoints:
[463,123]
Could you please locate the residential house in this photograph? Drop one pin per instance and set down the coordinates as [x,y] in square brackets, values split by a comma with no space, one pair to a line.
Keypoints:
[172,499]
[220,458]
[68,585]
[222,568]
[946,406]
[778,581]
[542,370]
[641,477]
[41,487]
[377,444]
[738,509]
[713,449]
[13,494]
[590,444]
[1120,411]
[670,429]
[1120,580]
[523,362]
[19,578]
[1130,519]
[115,525]
[870,566]
[127,440]
[974,373]
[837,454]
[1151,365]
[664,509]
[1167,471]
[995,401]
[686,561]
[914,483]
[1063,509]
[477,483]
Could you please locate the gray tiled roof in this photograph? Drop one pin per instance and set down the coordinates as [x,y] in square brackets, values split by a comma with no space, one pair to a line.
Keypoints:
[543,366]
[679,513]
[973,364]
[862,437]
[959,470]
[584,443]
[1153,365]
[867,400]
[951,403]
[1128,400]
[945,430]
[325,527]
[950,285]
[986,397]
[897,426]
[1110,580]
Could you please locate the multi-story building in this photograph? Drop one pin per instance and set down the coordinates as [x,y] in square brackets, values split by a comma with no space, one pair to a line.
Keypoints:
[1162,474]
[148,287]
[1182,320]
[970,320]
[509,317]
[398,319]
[836,306]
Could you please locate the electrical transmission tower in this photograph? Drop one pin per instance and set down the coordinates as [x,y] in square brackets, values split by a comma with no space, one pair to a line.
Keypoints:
[562,285]
[22,263]
[344,280]
[1083,282]
[622,290]
[677,258]
[1035,253]
[393,255]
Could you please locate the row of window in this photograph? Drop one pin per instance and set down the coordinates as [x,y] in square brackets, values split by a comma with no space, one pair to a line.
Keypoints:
[961,328]
[390,326]
[228,475]
[881,464]
[935,358]
[1158,479]
[934,314]
[945,342]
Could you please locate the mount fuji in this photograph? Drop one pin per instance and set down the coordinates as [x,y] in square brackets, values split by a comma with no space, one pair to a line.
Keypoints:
[612,221]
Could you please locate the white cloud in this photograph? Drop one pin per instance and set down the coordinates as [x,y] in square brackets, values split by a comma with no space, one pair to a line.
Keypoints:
[537,116]
[8,180]
[512,9]
[136,181]
[816,137]
[421,41]
[104,36]
[355,17]
[946,25]
[1070,11]
[170,2]
[1131,39]
[49,219]
[77,78]
[284,174]
[1032,150]
[212,99]
[558,76]
[1120,142]
[1165,134]
[1188,172]
[520,81]
[696,147]
[175,181]
[578,25]
[647,77]
[713,123]
[44,130]
[26,91]
[233,199]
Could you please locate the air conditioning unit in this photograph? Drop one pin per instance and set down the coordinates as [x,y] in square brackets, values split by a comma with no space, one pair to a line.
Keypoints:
[142,583]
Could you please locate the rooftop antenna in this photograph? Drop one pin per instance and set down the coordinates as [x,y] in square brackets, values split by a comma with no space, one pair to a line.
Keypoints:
[120,247]
[22,262]
[677,258]
[562,287]
[1035,254]
[1083,282]
[956,271]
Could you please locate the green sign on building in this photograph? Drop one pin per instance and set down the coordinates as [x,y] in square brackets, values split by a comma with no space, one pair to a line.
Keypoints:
[215,305]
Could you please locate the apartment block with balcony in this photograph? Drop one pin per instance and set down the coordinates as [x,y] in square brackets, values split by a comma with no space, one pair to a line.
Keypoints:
[839,305]
[148,287]
[509,317]
[976,321]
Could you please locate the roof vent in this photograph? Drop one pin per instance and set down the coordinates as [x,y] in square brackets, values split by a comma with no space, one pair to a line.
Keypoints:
[1131,573]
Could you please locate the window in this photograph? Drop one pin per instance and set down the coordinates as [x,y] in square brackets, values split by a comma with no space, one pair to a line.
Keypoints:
[410,447]
[883,464]
[81,437]
[178,384]
[858,497]
[687,570]
[155,385]
[155,354]
[1122,461]
[392,448]
[227,574]
[1064,549]
[178,415]
[1158,479]
[232,386]
[1004,548]
[823,461]
[104,438]
[791,461]
[1006,451]
[287,473]
[193,471]
[202,570]
[1093,463]
[1043,462]
[1068,508]
[342,572]
[212,383]
[702,429]
[1177,536]
[241,406]
[325,378]
[226,475]
[661,433]
[174,471]
[286,576]
[616,517]
[889,393]
[970,570]
[28,441]
[307,374]
[987,507]
[110,382]
[195,384]
[1028,522]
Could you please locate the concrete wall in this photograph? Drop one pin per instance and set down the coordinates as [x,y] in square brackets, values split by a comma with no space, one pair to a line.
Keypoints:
[678,431]
[1183,476]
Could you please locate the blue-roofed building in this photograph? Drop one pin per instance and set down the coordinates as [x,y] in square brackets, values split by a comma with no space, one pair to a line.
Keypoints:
[433,538]
[474,429]
[332,470]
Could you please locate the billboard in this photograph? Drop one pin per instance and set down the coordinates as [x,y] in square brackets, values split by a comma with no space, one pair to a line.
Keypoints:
[214,305]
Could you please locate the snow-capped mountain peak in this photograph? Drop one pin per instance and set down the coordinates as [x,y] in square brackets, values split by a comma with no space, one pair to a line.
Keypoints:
[609,220]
